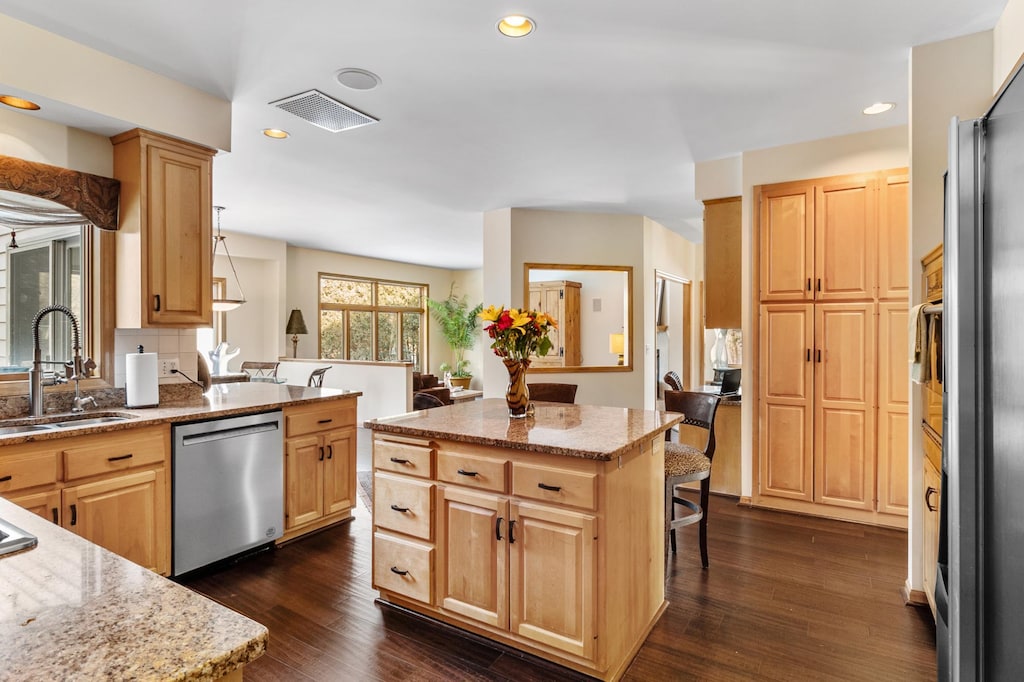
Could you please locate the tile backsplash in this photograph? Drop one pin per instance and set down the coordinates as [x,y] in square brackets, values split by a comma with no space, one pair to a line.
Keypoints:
[168,344]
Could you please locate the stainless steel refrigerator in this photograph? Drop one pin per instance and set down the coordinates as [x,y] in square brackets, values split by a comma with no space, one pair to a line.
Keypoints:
[980,583]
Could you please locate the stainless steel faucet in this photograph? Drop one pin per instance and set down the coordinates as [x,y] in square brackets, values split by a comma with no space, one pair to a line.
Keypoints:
[35,375]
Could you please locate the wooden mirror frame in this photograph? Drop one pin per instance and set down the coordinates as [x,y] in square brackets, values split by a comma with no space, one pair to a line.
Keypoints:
[627,365]
[96,198]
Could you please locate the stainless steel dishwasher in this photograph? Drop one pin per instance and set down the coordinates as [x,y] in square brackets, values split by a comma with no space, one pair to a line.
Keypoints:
[228,491]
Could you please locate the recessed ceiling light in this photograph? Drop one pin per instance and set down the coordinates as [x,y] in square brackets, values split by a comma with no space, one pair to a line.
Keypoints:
[275,133]
[18,102]
[358,79]
[516,26]
[878,108]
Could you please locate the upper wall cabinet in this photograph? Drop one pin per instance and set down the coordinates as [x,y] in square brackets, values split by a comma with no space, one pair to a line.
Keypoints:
[835,239]
[164,244]
[723,235]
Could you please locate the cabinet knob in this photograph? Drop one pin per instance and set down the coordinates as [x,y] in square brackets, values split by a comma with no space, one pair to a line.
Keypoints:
[928,498]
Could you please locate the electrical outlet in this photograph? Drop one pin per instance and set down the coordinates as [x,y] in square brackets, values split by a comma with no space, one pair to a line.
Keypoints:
[167,365]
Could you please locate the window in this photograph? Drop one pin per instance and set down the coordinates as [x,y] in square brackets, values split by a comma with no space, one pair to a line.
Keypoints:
[372,320]
[45,268]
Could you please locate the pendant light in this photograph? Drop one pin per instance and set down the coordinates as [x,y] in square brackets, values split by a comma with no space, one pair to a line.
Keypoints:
[222,304]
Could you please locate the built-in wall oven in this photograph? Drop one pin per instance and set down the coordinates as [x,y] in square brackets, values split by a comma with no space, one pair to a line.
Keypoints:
[228,492]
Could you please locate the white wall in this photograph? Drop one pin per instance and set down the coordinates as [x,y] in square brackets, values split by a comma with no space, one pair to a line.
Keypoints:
[386,386]
[498,290]
[34,139]
[470,283]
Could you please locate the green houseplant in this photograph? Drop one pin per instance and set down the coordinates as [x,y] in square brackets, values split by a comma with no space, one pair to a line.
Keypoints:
[459,324]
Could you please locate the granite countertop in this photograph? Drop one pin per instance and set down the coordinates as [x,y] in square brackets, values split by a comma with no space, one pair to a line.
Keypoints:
[222,400]
[588,431]
[70,609]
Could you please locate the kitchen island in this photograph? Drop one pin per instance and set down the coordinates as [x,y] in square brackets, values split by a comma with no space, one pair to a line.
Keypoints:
[70,609]
[545,534]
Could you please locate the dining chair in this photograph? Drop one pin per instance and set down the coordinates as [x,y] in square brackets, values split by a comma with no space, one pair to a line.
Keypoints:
[316,378]
[425,401]
[685,463]
[260,370]
[673,381]
[553,393]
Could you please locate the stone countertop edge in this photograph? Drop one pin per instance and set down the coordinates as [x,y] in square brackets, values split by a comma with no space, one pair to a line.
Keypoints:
[550,417]
[223,400]
[70,609]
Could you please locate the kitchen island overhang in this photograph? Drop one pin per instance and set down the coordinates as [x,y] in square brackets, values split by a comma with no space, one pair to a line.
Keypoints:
[545,534]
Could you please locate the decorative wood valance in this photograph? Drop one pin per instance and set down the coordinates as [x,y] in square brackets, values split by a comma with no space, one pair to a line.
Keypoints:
[94,196]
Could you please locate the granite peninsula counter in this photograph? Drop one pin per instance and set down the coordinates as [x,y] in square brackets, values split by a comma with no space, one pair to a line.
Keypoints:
[70,609]
[545,534]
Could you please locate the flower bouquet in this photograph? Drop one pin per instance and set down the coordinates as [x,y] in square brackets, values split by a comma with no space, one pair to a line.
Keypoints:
[518,334]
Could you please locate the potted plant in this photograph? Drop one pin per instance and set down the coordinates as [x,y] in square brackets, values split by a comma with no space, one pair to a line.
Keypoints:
[459,324]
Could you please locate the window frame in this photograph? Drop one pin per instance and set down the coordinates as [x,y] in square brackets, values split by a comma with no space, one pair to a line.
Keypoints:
[374,308]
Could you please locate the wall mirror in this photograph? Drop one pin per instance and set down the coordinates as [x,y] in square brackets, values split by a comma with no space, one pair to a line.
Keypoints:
[592,304]
[51,254]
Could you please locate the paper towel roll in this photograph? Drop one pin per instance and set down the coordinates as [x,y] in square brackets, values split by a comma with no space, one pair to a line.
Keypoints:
[140,384]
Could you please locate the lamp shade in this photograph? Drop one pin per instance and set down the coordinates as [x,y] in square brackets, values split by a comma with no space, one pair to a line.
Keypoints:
[616,343]
[296,325]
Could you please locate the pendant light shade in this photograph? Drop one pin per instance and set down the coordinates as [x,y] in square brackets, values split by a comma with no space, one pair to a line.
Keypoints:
[223,304]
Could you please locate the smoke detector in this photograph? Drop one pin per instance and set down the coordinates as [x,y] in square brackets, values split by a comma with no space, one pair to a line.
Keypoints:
[323,111]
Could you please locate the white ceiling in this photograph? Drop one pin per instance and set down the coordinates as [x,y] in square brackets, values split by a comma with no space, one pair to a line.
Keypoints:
[604,108]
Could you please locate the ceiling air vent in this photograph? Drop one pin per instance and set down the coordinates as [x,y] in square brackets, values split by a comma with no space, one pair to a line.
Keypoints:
[323,111]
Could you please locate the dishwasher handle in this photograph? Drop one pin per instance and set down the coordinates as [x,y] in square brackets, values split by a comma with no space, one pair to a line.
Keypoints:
[224,434]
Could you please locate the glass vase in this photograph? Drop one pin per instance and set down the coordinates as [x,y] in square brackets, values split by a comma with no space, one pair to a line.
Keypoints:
[517,395]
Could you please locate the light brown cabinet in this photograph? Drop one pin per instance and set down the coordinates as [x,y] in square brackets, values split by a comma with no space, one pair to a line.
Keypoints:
[932,500]
[165,238]
[110,488]
[560,300]
[513,545]
[320,465]
[723,242]
[832,347]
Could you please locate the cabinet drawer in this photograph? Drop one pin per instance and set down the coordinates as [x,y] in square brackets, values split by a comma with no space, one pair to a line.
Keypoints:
[405,567]
[559,486]
[482,473]
[18,473]
[314,419]
[932,450]
[404,505]
[107,453]
[402,458]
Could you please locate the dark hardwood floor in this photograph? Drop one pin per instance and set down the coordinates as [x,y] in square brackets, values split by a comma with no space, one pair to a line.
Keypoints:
[786,598]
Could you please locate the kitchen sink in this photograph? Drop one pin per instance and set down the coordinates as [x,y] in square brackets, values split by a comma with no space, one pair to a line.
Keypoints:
[88,420]
[14,539]
[15,426]
[23,428]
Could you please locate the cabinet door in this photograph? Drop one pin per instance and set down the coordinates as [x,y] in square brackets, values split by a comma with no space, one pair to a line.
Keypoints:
[723,241]
[932,500]
[473,554]
[553,577]
[893,409]
[844,424]
[46,505]
[304,480]
[124,514]
[340,471]
[845,238]
[893,236]
[787,242]
[179,237]
[787,339]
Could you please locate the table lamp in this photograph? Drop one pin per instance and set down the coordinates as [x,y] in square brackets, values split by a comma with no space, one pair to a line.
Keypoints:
[617,345]
[296,326]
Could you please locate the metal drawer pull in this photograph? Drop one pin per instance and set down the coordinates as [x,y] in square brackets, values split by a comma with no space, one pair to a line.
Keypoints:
[928,498]
[395,569]
[463,472]
[74,515]
[325,421]
[399,460]
[156,302]
[6,478]
[552,488]
[54,515]
[399,509]
[120,457]
[330,451]
[512,531]
[321,453]
[497,528]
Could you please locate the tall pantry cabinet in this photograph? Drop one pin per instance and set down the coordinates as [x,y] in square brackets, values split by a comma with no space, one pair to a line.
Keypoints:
[832,346]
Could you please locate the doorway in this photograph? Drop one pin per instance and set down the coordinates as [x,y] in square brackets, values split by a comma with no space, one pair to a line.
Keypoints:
[673,333]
